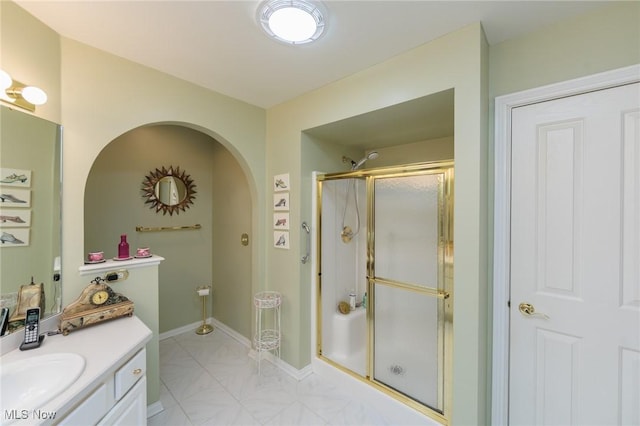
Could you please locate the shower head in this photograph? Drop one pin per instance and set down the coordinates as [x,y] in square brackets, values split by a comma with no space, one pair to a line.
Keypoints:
[370,156]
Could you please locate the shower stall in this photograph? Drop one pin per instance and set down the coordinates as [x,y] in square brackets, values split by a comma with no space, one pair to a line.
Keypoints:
[385,285]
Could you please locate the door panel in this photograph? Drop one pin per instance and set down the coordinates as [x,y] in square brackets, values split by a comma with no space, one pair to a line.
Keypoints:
[407,274]
[407,214]
[409,321]
[574,258]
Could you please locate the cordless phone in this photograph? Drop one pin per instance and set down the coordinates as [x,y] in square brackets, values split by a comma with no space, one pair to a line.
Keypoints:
[32,338]
[4,320]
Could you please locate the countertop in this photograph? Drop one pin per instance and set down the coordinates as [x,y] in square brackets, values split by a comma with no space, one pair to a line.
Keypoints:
[134,262]
[101,345]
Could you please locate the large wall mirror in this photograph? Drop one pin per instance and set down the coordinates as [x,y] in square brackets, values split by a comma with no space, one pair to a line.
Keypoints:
[30,209]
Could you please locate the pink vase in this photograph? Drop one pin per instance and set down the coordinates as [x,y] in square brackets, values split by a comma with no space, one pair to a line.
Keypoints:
[123,247]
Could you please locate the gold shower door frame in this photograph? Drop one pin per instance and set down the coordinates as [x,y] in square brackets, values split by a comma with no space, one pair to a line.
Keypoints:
[443,289]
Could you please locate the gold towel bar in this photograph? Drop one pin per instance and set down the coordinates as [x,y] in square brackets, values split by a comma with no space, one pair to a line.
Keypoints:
[427,291]
[167,228]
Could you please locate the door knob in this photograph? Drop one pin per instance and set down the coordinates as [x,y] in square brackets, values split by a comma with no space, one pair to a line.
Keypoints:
[528,310]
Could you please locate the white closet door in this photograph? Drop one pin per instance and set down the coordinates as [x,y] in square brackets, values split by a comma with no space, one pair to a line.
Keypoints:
[575,258]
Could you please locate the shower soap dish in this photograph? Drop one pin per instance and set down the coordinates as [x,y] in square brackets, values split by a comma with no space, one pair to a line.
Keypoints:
[344,308]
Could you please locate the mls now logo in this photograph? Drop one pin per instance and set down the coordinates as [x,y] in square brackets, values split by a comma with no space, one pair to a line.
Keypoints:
[29,414]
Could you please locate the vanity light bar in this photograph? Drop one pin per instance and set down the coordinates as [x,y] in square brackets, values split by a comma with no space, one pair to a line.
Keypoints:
[19,94]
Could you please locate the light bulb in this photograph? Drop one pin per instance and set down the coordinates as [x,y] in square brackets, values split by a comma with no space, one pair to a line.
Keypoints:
[5,80]
[292,21]
[292,24]
[34,95]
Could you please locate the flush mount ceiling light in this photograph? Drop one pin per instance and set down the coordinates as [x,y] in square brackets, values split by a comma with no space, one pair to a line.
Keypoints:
[15,93]
[292,21]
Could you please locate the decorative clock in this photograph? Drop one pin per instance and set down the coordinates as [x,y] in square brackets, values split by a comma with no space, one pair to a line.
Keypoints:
[97,303]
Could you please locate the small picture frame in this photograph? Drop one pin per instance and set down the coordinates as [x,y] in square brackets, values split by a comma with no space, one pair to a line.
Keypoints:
[281,220]
[15,218]
[14,237]
[281,239]
[13,197]
[15,177]
[281,201]
[281,182]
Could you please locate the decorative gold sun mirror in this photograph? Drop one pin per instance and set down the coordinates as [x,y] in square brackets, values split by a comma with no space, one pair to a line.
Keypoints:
[168,190]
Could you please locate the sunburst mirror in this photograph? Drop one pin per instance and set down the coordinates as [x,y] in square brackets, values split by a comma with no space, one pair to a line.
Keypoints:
[168,190]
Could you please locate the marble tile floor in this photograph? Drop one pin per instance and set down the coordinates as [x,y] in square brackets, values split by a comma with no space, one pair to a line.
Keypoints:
[211,380]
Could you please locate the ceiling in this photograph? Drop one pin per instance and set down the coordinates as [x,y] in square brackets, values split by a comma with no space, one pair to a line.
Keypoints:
[219,45]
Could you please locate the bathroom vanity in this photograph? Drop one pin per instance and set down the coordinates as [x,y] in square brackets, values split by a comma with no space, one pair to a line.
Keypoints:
[110,389]
[138,281]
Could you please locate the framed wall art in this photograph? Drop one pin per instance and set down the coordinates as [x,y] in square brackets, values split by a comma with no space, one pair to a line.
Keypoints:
[14,237]
[281,220]
[281,239]
[281,187]
[281,201]
[15,218]
[281,182]
[13,197]
[15,177]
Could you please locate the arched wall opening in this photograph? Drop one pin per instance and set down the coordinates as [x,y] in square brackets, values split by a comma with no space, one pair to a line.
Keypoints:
[223,206]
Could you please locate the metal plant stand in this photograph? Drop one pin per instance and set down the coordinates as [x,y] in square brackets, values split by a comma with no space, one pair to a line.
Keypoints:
[267,338]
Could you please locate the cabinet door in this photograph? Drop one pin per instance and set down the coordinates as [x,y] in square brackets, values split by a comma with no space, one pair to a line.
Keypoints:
[132,408]
[91,409]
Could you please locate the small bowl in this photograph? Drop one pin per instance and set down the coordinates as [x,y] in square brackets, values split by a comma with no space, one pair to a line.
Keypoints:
[96,256]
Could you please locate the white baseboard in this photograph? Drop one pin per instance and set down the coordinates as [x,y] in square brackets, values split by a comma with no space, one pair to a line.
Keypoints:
[287,368]
[180,330]
[154,409]
[231,332]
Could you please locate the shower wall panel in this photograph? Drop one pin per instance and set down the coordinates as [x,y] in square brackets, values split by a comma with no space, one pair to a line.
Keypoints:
[342,270]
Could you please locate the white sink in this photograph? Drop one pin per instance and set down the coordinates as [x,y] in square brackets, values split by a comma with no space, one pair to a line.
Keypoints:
[30,383]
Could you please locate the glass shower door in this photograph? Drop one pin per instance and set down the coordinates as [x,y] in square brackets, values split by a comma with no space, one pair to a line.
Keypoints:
[407,282]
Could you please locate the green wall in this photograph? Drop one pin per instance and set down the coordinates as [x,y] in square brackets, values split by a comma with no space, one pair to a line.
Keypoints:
[99,97]
[30,53]
[209,256]
[453,61]
[602,40]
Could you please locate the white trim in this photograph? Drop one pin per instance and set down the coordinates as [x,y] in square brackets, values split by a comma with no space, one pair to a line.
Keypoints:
[313,270]
[154,409]
[231,332]
[287,368]
[180,330]
[110,264]
[502,207]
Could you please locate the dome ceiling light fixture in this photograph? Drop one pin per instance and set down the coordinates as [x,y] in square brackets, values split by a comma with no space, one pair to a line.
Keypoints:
[292,21]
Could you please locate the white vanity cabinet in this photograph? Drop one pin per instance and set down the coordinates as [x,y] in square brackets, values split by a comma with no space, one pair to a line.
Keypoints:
[112,387]
[120,400]
[130,410]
